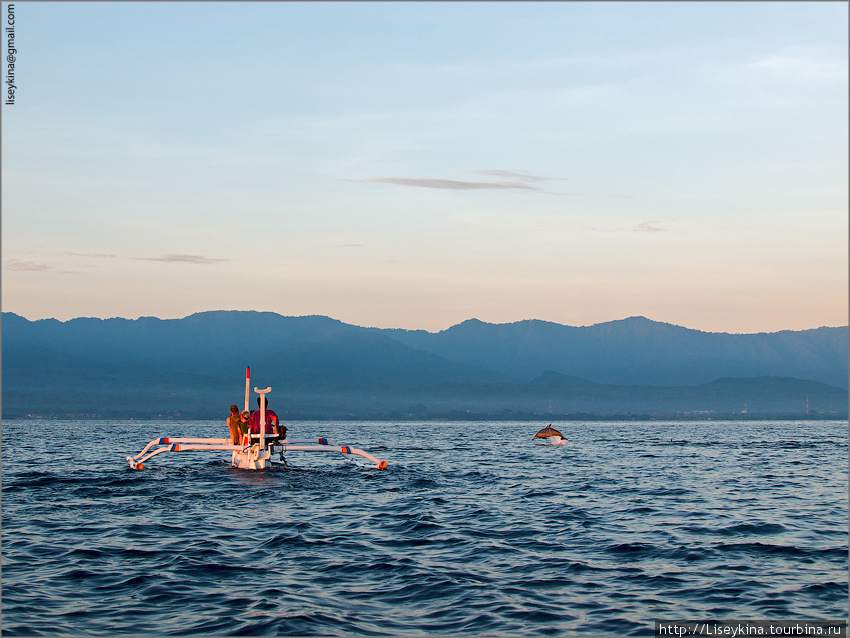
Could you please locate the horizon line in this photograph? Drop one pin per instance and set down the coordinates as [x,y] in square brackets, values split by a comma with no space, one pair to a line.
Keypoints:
[471,319]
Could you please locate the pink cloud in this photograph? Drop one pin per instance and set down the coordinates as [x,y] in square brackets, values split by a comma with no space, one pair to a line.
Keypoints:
[16,264]
[447,184]
[188,259]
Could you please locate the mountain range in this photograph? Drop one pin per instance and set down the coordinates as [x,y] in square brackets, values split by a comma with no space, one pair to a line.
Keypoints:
[320,367]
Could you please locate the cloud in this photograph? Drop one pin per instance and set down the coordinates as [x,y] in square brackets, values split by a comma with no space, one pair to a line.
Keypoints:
[805,63]
[350,246]
[99,255]
[447,184]
[187,259]
[17,264]
[648,227]
[520,175]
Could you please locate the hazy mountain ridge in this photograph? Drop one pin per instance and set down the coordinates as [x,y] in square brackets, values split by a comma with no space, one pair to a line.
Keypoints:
[320,366]
[640,351]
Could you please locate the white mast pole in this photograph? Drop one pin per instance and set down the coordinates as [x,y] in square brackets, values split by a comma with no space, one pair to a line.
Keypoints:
[262,394]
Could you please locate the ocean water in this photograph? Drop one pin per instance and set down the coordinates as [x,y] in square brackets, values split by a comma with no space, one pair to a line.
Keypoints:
[472,530]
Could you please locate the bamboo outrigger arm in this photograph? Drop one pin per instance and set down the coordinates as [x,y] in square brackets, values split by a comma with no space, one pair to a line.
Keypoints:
[170,444]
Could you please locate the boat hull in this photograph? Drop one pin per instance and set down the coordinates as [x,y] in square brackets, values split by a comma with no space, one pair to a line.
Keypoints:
[253,458]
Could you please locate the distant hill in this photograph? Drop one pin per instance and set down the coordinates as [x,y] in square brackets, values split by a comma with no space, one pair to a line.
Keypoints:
[638,351]
[321,367]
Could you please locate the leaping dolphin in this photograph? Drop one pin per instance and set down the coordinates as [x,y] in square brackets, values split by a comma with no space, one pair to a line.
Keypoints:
[546,432]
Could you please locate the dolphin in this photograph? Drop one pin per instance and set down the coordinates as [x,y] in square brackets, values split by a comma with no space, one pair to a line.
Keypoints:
[546,432]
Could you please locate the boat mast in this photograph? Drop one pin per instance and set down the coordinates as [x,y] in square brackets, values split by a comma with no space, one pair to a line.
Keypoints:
[247,388]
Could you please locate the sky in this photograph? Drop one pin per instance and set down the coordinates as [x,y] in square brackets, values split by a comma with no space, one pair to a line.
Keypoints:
[413,165]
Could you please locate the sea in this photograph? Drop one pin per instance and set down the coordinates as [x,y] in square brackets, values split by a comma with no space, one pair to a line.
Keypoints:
[474,529]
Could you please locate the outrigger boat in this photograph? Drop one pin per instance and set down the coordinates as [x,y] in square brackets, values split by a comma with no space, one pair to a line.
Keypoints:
[254,451]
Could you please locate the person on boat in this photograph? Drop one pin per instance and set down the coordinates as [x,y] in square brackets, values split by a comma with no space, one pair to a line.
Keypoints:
[273,429]
[233,422]
[243,422]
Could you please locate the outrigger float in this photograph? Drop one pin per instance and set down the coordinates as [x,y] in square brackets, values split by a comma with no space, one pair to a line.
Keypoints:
[254,451]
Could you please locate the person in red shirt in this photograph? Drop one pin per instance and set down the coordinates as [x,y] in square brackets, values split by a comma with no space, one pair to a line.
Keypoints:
[272,425]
